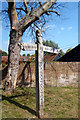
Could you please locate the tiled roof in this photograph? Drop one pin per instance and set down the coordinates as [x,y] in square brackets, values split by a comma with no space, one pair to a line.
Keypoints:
[5,59]
[50,57]
[72,56]
[22,58]
[1,51]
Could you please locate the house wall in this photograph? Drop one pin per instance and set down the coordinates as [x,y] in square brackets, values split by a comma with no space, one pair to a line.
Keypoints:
[55,74]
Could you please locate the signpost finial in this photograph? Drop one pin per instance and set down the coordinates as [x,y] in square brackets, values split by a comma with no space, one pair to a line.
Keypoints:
[39,36]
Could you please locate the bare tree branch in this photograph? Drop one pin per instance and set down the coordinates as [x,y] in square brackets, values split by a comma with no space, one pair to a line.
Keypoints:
[53,12]
[40,3]
[21,9]
[34,15]
[12,13]
[26,7]
[4,11]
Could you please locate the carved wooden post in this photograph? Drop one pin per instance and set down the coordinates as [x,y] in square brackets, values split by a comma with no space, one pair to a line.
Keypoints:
[39,75]
[39,49]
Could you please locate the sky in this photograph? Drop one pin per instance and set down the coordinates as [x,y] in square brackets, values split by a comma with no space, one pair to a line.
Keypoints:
[62,29]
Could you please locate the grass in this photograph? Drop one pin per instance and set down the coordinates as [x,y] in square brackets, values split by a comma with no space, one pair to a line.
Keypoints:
[59,103]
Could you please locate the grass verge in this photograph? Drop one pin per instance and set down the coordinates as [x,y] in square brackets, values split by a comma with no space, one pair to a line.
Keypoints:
[59,103]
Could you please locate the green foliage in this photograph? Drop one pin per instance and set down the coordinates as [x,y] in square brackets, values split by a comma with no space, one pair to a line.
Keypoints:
[28,55]
[23,55]
[69,50]
[33,55]
[62,53]
[50,44]
[4,54]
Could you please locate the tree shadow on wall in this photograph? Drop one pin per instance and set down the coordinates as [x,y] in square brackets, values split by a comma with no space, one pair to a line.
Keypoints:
[26,80]
[3,72]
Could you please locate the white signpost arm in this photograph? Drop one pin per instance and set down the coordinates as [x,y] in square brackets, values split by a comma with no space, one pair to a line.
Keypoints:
[51,50]
[28,46]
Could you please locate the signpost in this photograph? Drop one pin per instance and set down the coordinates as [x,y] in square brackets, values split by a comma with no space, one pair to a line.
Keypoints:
[39,52]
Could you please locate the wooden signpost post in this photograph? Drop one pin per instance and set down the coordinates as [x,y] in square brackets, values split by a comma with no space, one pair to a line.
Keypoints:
[39,52]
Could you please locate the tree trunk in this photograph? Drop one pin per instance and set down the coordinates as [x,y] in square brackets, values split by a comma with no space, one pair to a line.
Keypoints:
[17,27]
[13,59]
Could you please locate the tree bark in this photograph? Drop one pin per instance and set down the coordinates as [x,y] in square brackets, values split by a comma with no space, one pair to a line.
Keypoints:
[12,14]
[14,48]
[13,59]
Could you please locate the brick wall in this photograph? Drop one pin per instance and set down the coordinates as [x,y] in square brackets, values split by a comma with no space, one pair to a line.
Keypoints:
[55,74]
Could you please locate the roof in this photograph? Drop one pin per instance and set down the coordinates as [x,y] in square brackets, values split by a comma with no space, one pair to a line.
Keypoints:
[71,56]
[5,59]
[1,51]
[22,58]
[50,57]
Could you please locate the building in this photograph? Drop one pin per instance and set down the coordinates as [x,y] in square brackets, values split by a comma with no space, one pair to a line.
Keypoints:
[5,59]
[51,57]
[71,56]
[22,59]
